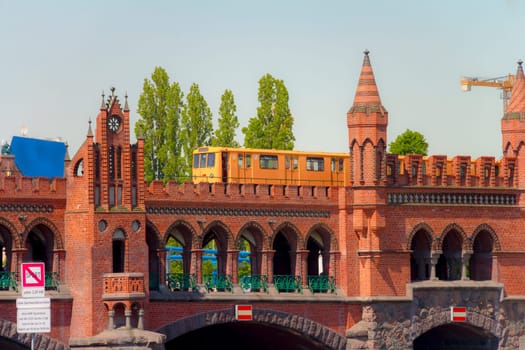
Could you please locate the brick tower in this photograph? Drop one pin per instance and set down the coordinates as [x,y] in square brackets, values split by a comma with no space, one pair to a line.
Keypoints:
[513,129]
[367,122]
[105,225]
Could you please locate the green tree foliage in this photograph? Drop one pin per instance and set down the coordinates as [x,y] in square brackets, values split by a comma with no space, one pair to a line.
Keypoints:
[272,128]
[409,142]
[197,127]
[160,106]
[228,122]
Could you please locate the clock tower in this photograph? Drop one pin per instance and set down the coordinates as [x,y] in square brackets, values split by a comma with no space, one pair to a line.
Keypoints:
[115,161]
[105,224]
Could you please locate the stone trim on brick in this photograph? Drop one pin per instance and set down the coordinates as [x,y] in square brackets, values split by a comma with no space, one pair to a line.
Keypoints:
[297,324]
[42,342]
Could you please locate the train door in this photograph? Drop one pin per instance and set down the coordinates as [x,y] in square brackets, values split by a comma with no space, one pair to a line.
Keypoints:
[337,171]
[224,165]
[291,167]
[244,163]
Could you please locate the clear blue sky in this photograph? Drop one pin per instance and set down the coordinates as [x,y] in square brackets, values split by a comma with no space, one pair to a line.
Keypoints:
[56,57]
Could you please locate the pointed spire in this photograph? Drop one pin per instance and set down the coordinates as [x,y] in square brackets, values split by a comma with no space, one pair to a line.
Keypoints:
[126,107]
[517,97]
[103,104]
[90,132]
[367,93]
[67,158]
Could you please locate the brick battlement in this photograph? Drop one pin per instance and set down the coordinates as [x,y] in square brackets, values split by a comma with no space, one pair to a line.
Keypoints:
[233,192]
[460,171]
[18,186]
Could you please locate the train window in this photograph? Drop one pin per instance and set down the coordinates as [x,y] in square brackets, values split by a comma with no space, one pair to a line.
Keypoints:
[314,164]
[203,161]
[287,162]
[248,161]
[195,160]
[240,161]
[268,162]
[211,160]
[337,164]
[295,162]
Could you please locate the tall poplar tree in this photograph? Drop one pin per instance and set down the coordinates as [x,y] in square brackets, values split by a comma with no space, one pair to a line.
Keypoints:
[160,106]
[197,127]
[228,122]
[272,128]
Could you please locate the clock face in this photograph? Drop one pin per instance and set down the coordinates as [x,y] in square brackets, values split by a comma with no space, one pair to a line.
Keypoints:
[114,123]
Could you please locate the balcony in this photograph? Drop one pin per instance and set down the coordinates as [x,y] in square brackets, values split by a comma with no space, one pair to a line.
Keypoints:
[8,281]
[119,286]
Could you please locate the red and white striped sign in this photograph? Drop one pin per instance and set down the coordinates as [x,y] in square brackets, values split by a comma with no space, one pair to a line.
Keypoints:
[243,312]
[458,313]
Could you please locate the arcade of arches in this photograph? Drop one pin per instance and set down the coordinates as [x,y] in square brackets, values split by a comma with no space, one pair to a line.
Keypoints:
[285,252]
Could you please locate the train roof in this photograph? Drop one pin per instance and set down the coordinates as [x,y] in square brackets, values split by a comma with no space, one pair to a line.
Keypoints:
[211,149]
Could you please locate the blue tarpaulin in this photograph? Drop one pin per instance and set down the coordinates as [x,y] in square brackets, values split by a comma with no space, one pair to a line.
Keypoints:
[38,158]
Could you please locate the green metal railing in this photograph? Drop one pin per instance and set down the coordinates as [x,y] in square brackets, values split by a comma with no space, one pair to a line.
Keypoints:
[321,284]
[254,283]
[8,281]
[218,283]
[52,281]
[287,283]
[181,281]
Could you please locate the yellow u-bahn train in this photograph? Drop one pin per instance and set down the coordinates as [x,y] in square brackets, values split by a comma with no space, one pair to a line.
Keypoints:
[265,166]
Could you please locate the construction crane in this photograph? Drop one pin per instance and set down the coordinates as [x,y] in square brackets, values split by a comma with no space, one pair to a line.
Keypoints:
[504,83]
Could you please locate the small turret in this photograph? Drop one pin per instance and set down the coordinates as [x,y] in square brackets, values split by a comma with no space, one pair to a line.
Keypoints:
[367,122]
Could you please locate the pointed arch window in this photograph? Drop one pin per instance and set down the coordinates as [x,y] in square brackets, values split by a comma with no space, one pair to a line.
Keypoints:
[118,250]
[111,162]
[119,162]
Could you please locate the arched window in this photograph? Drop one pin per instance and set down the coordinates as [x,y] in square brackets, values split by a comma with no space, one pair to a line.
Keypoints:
[282,264]
[119,249]
[450,264]
[481,260]
[420,257]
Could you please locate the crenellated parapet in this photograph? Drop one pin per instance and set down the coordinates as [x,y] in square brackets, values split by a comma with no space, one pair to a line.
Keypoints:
[234,192]
[19,187]
[456,172]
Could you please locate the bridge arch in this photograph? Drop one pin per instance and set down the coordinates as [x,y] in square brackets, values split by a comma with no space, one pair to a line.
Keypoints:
[8,335]
[477,324]
[315,332]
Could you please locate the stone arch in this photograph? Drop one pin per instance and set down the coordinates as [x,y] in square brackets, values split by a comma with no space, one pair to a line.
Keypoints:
[249,226]
[421,227]
[187,226]
[334,246]
[57,237]
[224,228]
[42,341]
[151,227]
[490,231]
[287,227]
[156,255]
[14,233]
[320,242]
[420,243]
[459,230]
[294,323]
[442,317]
